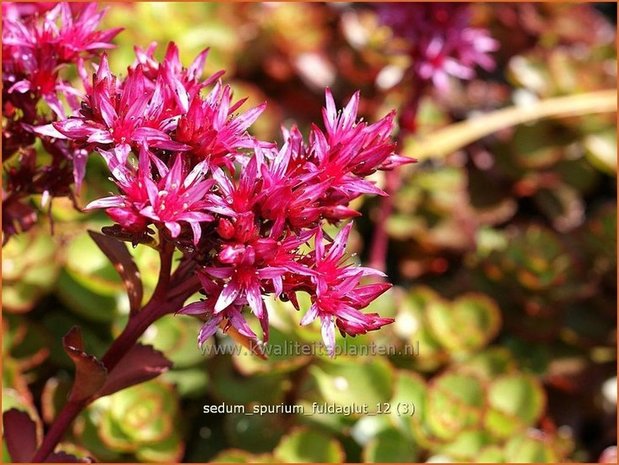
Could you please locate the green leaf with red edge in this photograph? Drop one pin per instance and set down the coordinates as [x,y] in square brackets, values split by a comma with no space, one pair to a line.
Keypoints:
[390,446]
[466,445]
[516,401]
[123,262]
[466,324]
[305,445]
[241,456]
[530,447]
[455,403]
[409,389]
[90,373]
[168,450]
[489,364]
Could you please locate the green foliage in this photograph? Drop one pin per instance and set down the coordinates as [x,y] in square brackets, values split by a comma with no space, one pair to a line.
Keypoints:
[308,446]
[140,421]
[29,269]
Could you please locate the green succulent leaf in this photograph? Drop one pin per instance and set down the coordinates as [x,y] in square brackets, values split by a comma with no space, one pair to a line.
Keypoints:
[467,324]
[84,302]
[254,433]
[91,268]
[455,402]
[529,449]
[410,389]
[305,445]
[359,381]
[490,454]
[29,270]
[466,445]
[516,402]
[190,383]
[169,450]
[175,336]
[490,363]
[113,436]
[241,456]
[230,386]
[140,420]
[412,326]
[368,427]
[390,446]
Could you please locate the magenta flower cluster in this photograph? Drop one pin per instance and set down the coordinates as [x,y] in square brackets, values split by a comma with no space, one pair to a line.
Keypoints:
[40,43]
[249,213]
[441,43]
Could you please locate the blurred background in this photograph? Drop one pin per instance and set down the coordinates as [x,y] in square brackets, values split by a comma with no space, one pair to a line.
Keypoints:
[502,249]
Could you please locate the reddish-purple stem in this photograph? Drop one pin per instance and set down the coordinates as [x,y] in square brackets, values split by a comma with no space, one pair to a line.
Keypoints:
[165,300]
[407,122]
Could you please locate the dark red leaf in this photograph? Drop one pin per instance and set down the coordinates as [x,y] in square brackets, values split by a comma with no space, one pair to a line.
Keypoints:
[140,364]
[90,373]
[123,262]
[20,435]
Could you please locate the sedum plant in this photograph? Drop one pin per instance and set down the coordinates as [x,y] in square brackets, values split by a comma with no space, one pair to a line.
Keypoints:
[247,216]
[145,207]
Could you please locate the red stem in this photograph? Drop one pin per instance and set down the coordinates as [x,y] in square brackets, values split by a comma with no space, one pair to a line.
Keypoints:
[56,432]
[163,301]
[165,258]
[408,124]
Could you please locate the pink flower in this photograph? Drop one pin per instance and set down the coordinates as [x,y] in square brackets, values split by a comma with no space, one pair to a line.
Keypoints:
[176,198]
[183,83]
[211,130]
[278,203]
[40,41]
[441,43]
[35,48]
[132,112]
[318,180]
[23,10]
[160,104]
[232,314]
[338,296]
[352,149]
[251,207]
[246,270]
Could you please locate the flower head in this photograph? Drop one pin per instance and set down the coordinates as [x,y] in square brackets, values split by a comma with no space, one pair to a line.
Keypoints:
[40,42]
[211,130]
[36,47]
[128,113]
[441,43]
[231,316]
[338,294]
[249,207]
[160,105]
[170,199]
